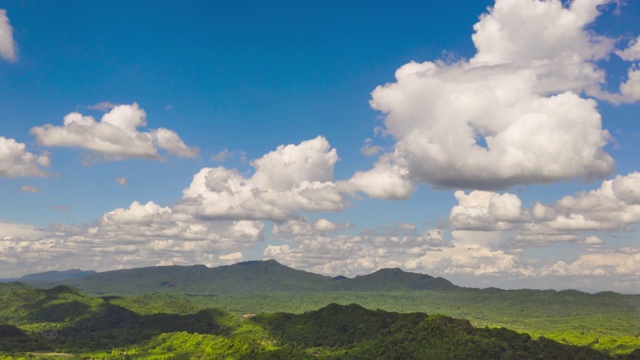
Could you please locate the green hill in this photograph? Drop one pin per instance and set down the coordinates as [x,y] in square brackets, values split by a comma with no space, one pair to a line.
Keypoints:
[353,332]
[64,320]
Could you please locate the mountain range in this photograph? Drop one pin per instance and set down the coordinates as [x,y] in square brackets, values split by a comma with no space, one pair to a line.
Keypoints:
[250,277]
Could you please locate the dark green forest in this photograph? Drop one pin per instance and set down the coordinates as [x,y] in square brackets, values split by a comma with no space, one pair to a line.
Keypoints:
[202,313]
[62,321]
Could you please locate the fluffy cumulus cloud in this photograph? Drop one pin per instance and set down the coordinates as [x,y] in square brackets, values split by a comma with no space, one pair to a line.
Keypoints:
[8,49]
[290,179]
[387,180]
[115,136]
[508,115]
[218,216]
[484,210]
[613,206]
[16,161]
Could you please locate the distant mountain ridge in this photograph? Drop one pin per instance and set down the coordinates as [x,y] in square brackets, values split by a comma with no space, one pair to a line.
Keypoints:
[54,276]
[248,277]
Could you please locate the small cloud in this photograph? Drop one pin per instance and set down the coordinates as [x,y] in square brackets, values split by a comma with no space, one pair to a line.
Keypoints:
[236,256]
[121,180]
[168,107]
[8,48]
[226,154]
[593,240]
[103,106]
[60,208]
[222,155]
[368,150]
[406,226]
[30,189]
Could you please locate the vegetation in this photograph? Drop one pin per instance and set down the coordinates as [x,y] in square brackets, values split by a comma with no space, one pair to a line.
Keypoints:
[62,321]
[169,323]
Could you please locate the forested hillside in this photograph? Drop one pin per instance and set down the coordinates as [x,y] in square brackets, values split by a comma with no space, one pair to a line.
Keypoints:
[607,321]
[62,320]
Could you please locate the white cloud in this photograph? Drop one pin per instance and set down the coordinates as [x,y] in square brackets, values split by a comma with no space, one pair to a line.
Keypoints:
[302,227]
[619,263]
[225,154]
[122,181]
[613,206]
[406,226]
[8,48]
[115,136]
[630,90]
[102,106]
[30,189]
[150,221]
[140,235]
[13,230]
[385,181]
[15,161]
[290,179]
[593,240]
[508,115]
[483,210]
[232,258]
[369,150]
[401,246]
[632,52]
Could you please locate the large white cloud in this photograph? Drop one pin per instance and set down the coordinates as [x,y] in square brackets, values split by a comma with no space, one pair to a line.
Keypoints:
[8,49]
[290,179]
[115,136]
[15,161]
[513,113]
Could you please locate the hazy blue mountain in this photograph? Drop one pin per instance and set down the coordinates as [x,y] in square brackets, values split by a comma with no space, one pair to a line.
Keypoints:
[391,280]
[249,277]
[54,276]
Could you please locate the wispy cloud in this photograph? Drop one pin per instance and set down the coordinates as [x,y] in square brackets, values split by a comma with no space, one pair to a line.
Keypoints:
[122,181]
[30,189]
[8,47]
[103,106]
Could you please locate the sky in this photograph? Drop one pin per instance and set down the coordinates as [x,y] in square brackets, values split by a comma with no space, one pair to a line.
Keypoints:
[492,143]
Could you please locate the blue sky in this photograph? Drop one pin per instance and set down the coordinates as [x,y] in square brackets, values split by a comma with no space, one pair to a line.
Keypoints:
[497,155]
